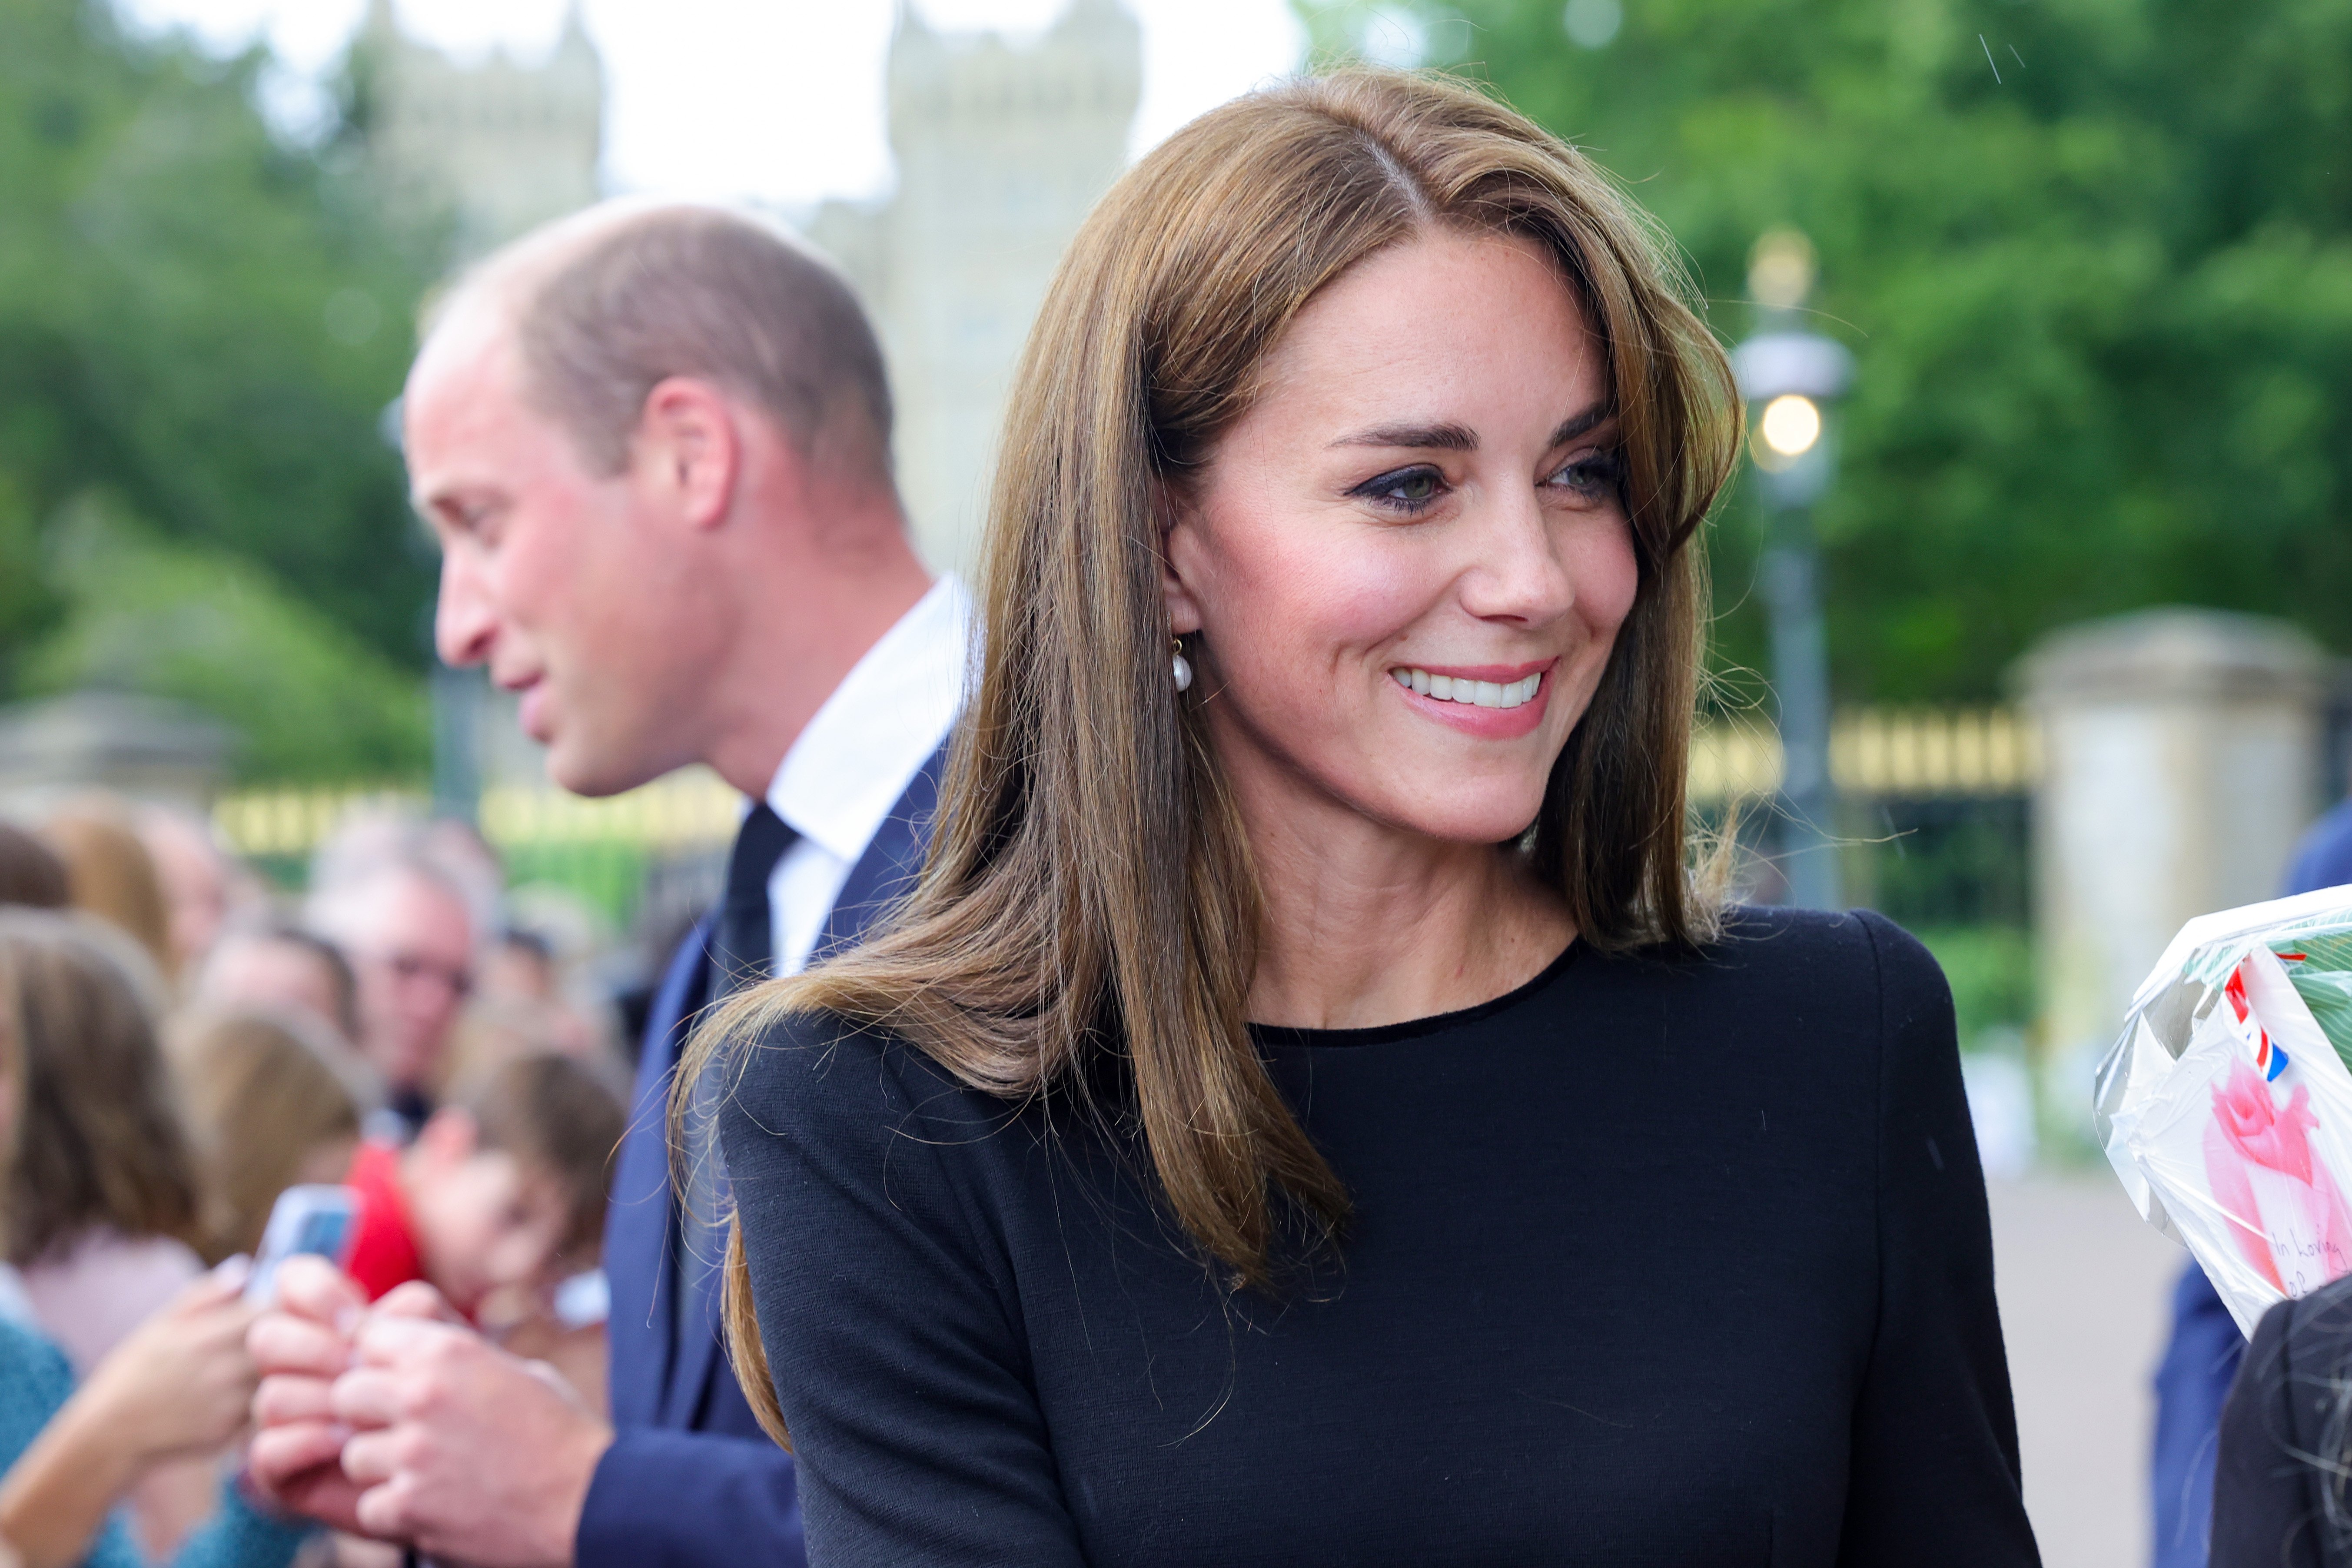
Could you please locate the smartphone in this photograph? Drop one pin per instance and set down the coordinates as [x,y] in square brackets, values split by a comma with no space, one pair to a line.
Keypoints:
[317,1220]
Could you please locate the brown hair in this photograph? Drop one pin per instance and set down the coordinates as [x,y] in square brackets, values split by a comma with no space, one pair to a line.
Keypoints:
[610,303]
[262,1098]
[558,1116]
[273,930]
[112,875]
[1088,895]
[30,872]
[99,1139]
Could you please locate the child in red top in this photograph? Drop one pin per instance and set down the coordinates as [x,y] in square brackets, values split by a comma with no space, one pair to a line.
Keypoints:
[505,1189]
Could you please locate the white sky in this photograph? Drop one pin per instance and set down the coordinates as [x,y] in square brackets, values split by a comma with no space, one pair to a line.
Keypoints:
[774,100]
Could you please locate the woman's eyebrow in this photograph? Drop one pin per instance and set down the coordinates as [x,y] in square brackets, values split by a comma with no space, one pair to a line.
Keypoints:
[1425,438]
[1583,424]
[1462,438]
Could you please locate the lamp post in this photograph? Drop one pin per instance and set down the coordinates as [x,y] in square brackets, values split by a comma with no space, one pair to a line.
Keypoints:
[1791,376]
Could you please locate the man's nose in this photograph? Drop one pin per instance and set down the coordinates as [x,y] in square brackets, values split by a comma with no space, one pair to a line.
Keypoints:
[462,624]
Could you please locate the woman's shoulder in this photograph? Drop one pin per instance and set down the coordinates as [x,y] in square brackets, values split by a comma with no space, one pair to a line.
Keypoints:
[817,1074]
[826,1119]
[2308,1337]
[130,1261]
[100,1284]
[2284,1420]
[1823,956]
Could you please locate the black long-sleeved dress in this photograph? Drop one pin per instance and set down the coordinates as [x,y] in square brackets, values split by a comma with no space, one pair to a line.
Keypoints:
[1653,1261]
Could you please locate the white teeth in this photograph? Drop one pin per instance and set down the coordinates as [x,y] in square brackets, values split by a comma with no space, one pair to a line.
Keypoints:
[1477,693]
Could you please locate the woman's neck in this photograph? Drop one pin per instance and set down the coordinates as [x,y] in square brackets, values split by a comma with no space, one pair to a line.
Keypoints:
[1366,925]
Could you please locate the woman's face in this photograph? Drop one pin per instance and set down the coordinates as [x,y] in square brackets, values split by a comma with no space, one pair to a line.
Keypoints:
[1407,562]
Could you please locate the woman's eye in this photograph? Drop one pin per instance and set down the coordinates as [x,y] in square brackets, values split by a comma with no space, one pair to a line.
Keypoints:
[1596,475]
[1406,489]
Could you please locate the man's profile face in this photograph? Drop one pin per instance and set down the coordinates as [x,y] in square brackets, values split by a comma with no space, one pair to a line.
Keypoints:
[562,581]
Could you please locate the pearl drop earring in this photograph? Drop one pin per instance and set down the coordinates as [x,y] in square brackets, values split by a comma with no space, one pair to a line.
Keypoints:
[1181,667]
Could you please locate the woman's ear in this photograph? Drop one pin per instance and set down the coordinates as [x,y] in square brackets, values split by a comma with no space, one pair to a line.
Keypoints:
[1179,546]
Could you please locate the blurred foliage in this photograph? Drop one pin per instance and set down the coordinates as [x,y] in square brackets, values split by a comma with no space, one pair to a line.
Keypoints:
[1942,861]
[309,699]
[205,321]
[1991,969]
[2094,258]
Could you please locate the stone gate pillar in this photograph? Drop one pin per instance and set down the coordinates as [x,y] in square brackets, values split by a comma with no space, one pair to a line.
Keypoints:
[2181,757]
[140,747]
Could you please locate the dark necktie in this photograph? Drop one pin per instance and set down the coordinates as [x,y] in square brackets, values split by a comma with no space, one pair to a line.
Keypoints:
[743,947]
[743,954]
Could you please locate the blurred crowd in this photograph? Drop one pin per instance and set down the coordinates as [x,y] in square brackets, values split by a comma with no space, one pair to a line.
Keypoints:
[181,1043]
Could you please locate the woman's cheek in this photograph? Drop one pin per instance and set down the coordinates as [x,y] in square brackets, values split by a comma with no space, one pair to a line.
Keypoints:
[1305,597]
[1605,576]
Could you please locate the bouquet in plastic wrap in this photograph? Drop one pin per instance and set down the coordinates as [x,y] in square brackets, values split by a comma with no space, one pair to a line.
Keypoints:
[2226,1103]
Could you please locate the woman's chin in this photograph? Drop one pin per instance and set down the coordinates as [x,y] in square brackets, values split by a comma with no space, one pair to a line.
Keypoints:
[1452,820]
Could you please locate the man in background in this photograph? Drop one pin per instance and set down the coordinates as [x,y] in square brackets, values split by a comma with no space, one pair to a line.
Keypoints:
[655,445]
[407,929]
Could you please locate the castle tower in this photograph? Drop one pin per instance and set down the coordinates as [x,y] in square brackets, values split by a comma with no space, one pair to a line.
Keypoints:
[1001,151]
[494,149]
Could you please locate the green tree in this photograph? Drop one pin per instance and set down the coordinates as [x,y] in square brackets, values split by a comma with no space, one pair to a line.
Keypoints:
[2094,257]
[199,318]
[308,701]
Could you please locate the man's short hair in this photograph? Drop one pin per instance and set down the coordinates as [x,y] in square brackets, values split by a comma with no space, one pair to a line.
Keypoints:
[605,308]
[346,908]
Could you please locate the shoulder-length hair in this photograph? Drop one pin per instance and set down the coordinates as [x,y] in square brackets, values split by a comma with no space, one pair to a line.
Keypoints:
[1089,888]
[98,1140]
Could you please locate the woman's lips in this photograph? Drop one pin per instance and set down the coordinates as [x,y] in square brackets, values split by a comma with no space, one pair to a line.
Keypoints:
[1493,702]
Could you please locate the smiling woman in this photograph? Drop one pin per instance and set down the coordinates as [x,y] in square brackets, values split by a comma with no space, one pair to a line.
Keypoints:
[1310,1113]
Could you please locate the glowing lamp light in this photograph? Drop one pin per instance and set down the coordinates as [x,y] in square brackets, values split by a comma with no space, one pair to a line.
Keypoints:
[1791,423]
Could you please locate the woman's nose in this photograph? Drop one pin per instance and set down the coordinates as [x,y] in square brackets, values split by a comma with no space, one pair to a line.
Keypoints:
[1518,572]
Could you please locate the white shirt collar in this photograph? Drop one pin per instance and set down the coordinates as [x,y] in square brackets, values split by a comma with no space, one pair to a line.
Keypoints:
[893,710]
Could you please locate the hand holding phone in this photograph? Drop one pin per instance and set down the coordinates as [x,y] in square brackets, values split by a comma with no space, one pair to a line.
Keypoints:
[317,1220]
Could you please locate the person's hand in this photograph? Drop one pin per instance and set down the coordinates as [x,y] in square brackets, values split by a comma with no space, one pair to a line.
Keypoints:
[178,1386]
[181,1383]
[463,1449]
[300,1345]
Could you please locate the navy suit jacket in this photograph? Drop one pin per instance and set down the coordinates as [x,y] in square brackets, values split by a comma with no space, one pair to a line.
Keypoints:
[690,1480]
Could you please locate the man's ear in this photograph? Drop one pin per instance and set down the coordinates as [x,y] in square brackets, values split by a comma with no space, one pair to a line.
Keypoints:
[450,1136]
[688,450]
[1180,543]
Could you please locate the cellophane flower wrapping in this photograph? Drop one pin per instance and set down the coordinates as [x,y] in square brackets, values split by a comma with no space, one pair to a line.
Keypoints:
[2226,1103]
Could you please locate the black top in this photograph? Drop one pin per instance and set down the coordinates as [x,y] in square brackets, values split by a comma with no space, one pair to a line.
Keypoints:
[2289,1413]
[1654,1261]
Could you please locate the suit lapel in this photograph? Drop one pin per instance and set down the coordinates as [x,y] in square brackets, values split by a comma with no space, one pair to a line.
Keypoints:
[893,858]
[886,871]
[643,1221]
[693,1362]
